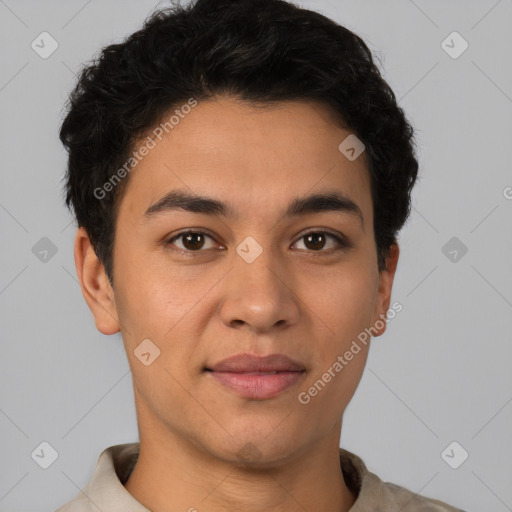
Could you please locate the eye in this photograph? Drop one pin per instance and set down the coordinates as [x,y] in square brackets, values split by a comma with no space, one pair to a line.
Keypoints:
[191,241]
[317,240]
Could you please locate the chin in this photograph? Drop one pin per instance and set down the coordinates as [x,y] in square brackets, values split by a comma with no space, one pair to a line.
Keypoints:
[258,451]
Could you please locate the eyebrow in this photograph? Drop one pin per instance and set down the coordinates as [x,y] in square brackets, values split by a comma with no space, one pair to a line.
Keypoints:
[332,201]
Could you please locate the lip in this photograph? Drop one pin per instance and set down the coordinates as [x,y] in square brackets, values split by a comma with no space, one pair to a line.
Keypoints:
[257,377]
[245,363]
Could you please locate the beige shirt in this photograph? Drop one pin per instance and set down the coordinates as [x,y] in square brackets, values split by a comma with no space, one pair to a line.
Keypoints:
[107,492]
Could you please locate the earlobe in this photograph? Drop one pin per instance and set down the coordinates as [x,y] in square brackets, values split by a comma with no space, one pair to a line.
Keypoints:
[386,278]
[96,288]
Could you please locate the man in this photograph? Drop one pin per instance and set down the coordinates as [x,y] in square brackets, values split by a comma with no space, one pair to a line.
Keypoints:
[239,172]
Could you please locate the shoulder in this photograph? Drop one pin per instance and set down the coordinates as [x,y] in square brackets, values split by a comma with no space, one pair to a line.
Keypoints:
[77,505]
[374,495]
[412,502]
[105,491]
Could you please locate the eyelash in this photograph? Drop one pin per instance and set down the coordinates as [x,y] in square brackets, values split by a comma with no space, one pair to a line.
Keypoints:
[342,243]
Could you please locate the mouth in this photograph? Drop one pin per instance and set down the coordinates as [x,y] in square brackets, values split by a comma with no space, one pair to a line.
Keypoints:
[248,363]
[256,377]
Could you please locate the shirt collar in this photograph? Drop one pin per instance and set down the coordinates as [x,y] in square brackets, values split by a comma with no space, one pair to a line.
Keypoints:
[106,488]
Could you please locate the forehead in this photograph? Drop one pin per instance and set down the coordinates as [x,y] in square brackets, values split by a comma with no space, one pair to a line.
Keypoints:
[257,157]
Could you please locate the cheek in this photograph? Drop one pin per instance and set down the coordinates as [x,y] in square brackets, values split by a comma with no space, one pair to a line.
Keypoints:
[151,297]
[342,309]
[343,302]
[168,308]
[325,397]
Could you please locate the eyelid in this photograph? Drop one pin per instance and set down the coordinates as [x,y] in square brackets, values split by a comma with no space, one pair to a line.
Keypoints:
[340,239]
[168,241]
[342,242]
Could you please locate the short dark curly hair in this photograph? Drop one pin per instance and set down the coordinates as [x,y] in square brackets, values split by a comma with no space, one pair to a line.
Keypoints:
[260,51]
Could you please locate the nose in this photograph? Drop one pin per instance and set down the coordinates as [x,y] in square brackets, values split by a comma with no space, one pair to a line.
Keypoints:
[259,295]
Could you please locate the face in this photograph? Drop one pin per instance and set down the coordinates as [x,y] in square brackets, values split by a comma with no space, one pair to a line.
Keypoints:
[278,259]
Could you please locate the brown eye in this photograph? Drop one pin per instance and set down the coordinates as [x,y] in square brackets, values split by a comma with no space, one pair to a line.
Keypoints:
[192,241]
[317,240]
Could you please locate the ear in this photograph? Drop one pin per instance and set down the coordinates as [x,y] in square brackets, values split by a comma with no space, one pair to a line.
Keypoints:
[96,288]
[386,278]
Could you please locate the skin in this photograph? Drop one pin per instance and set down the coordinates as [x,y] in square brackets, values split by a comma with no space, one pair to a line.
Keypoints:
[303,300]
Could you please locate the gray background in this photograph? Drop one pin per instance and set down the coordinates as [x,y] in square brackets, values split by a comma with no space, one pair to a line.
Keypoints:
[441,372]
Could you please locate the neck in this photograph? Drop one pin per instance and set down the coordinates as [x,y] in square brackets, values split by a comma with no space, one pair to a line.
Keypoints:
[177,475]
